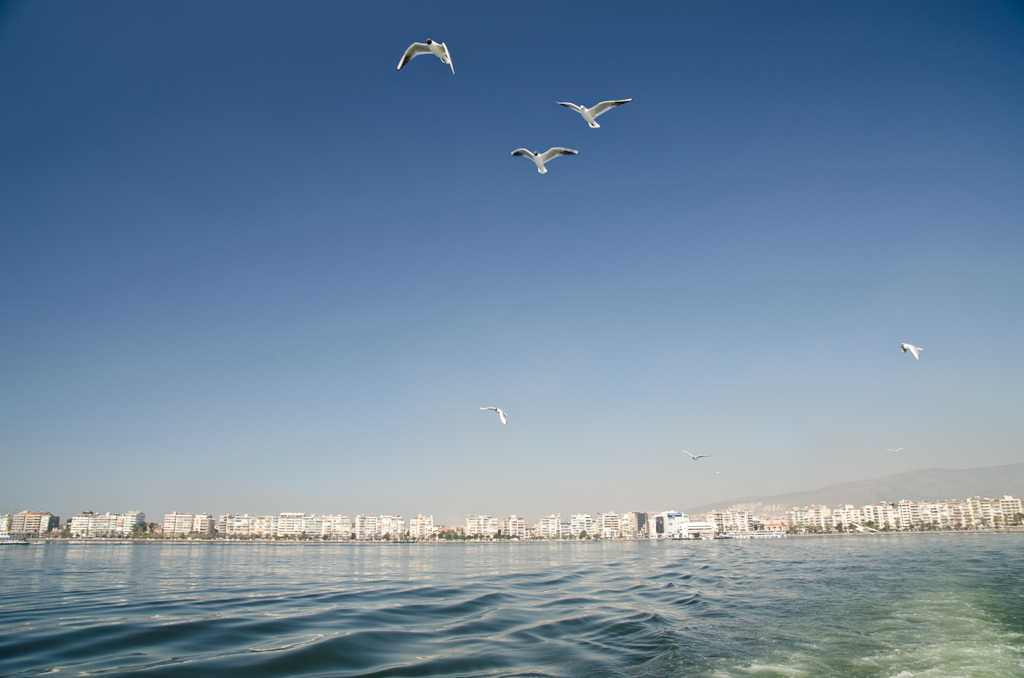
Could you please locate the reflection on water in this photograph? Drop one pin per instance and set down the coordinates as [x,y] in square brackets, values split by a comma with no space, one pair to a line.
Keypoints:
[900,605]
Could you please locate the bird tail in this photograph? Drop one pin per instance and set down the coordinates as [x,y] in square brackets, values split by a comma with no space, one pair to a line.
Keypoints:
[542,169]
[594,125]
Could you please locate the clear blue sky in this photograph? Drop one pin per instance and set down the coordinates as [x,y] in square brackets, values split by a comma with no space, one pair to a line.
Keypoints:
[247,266]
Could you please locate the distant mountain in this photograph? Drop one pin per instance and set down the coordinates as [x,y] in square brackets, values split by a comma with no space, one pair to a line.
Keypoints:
[924,485]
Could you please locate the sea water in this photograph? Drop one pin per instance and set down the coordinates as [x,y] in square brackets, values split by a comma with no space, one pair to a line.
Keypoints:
[885,606]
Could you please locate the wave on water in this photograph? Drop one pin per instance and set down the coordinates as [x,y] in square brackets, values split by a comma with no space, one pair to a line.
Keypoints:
[938,605]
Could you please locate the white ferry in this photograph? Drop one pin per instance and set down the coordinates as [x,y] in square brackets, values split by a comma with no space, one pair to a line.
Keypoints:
[6,538]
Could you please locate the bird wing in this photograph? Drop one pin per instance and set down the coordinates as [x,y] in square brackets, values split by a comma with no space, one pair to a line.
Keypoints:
[489,408]
[555,152]
[415,49]
[448,56]
[569,105]
[523,151]
[501,415]
[607,105]
[914,350]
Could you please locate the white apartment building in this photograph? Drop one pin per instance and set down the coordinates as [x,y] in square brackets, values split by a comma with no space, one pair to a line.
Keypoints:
[732,520]
[607,525]
[33,522]
[513,526]
[366,527]
[484,526]
[391,526]
[289,524]
[549,527]
[669,525]
[421,527]
[336,527]
[184,523]
[237,526]
[581,522]
[89,524]
[632,524]
[264,527]
[819,517]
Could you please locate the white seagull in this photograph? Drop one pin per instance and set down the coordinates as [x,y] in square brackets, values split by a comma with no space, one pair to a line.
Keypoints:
[698,456]
[541,158]
[438,49]
[912,349]
[501,415]
[590,113]
[889,449]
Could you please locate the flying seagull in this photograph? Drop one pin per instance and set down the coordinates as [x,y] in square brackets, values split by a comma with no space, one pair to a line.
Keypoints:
[698,456]
[590,113]
[889,449]
[541,158]
[501,415]
[862,528]
[912,349]
[438,49]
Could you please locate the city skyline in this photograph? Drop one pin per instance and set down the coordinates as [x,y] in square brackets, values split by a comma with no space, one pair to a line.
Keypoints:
[241,262]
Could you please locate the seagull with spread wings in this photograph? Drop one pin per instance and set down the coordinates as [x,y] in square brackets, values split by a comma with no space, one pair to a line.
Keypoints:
[438,49]
[590,113]
[889,449]
[541,158]
[697,456]
[913,349]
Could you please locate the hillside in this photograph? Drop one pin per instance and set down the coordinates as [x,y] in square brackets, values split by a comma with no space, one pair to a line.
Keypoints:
[925,484]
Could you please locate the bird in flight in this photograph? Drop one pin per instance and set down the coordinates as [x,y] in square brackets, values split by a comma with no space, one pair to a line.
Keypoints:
[438,49]
[590,113]
[501,415]
[912,349]
[697,456]
[541,158]
[889,449]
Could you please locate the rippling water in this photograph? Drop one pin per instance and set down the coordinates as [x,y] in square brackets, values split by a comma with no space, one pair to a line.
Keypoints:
[901,605]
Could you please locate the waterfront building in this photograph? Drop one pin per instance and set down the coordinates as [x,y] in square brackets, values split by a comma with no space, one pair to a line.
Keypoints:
[366,527]
[668,525]
[186,523]
[813,517]
[289,524]
[392,527]
[513,526]
[237,526]
[607,525]
[739,520]
[484,526]
[336,527]
[90,524]
[549,527]
[702,529]
[421,527]
[632,524]
[843,517]
[32,522]
[581,522]
[264,527]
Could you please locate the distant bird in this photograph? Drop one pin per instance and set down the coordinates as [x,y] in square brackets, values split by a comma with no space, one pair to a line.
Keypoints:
[889,449]
[696,457]
[717,471]
[501,415]
[438,49]
[861,528]
[541,158]
[590,113]
[912,349]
